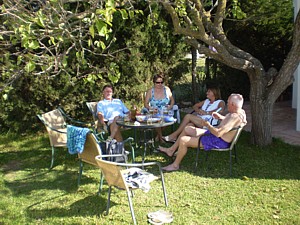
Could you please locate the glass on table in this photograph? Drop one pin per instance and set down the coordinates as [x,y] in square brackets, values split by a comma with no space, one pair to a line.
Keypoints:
[171,113]
[151,110]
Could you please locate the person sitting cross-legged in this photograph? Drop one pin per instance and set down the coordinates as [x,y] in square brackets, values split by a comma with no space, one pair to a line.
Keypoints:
[212,137]
[203,110]
[110,109]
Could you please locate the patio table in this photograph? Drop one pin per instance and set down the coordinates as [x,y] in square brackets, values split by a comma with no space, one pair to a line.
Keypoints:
[146,129]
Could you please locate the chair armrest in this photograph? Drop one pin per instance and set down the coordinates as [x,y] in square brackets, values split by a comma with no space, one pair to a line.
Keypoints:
[90,124]
[129,164]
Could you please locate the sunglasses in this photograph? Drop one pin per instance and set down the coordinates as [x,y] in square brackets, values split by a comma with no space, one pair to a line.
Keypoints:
[159,82]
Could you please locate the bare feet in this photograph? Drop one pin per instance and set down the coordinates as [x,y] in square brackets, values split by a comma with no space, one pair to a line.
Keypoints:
[170,168]
[167,151]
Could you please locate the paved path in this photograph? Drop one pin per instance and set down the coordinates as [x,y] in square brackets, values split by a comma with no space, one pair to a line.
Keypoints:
[284,122]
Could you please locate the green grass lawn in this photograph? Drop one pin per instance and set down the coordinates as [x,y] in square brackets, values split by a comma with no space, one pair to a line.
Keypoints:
[264,187]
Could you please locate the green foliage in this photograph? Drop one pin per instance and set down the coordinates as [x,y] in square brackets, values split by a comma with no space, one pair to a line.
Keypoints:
[267,31]
[64,55]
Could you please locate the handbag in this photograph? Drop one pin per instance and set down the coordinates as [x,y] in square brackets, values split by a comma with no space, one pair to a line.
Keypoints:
[115,148]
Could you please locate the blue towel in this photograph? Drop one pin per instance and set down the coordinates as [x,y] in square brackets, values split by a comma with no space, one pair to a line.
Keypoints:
[76,137]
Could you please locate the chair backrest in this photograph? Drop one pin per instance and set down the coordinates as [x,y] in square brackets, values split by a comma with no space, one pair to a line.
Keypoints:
[92,106]
[234,140]
[56,127]
[91,150]
[112,173]
[236,137]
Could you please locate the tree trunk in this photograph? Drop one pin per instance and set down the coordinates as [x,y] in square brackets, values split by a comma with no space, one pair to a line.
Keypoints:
[262,117]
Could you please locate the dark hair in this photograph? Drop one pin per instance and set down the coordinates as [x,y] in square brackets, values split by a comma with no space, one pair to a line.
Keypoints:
[216,91]
[158,76]
[109,86]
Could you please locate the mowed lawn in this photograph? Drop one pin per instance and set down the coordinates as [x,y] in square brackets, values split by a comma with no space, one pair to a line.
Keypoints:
[263,189]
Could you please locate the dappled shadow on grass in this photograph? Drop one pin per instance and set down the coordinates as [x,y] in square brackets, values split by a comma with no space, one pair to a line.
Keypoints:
[27,171]
[277,161]
[91,205]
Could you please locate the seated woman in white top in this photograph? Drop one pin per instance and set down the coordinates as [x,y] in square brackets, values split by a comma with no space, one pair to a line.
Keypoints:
[203,110]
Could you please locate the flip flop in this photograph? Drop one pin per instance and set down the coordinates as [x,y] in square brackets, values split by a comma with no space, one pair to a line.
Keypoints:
[167,139]
[160,217]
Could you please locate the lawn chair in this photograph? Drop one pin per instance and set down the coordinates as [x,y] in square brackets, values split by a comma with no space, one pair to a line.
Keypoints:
[231,148]
[56,122]
[56,127]
[99,131]
[92,148]
[113,174]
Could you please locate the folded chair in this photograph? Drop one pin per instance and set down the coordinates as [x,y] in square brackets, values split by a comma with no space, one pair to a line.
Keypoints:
[231,148]
[113,173]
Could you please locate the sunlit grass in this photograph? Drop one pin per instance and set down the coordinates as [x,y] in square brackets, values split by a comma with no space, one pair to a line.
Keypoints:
[264,187]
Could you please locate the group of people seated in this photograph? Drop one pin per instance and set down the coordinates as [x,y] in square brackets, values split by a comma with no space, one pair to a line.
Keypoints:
[208,122]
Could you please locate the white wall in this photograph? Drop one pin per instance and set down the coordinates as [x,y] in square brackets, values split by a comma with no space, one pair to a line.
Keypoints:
[296,84]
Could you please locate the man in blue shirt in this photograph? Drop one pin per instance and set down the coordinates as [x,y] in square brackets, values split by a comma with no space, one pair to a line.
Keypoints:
[109,110]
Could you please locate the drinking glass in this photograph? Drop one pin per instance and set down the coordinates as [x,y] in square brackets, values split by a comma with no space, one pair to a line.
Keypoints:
[171,113]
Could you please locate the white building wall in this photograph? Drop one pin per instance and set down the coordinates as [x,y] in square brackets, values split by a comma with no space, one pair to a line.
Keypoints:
[296,84]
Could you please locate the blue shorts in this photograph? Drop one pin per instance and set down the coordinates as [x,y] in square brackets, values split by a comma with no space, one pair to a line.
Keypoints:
[210,141]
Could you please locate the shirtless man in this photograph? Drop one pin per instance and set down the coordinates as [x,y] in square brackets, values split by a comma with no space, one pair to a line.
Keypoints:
[213,137]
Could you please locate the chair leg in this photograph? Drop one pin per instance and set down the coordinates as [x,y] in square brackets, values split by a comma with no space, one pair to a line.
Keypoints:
[52,157]
[131,207]
[108,200]
[197,158]
[197,154]
[230,162]
[235,155]
[80,172]
[100,183]
[163,187]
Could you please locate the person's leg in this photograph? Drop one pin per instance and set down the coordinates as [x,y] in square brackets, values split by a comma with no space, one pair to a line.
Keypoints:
[188,131]
[184,143]
[115,132]
[158,134]
[189,118]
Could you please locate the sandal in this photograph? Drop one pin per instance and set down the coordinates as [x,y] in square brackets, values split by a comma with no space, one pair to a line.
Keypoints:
[167,139]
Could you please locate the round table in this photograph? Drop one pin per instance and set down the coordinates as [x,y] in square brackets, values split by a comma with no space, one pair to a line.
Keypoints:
[145,128]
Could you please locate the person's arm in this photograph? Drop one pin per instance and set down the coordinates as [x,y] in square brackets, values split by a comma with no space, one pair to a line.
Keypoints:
[197,108]
[220,109]
[230,121]
[170,95]
[147,99]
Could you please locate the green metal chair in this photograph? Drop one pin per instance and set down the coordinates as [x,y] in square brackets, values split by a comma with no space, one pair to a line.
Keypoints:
[56,122]
[92,148]
[56,127]
[232,148]
[113,173]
